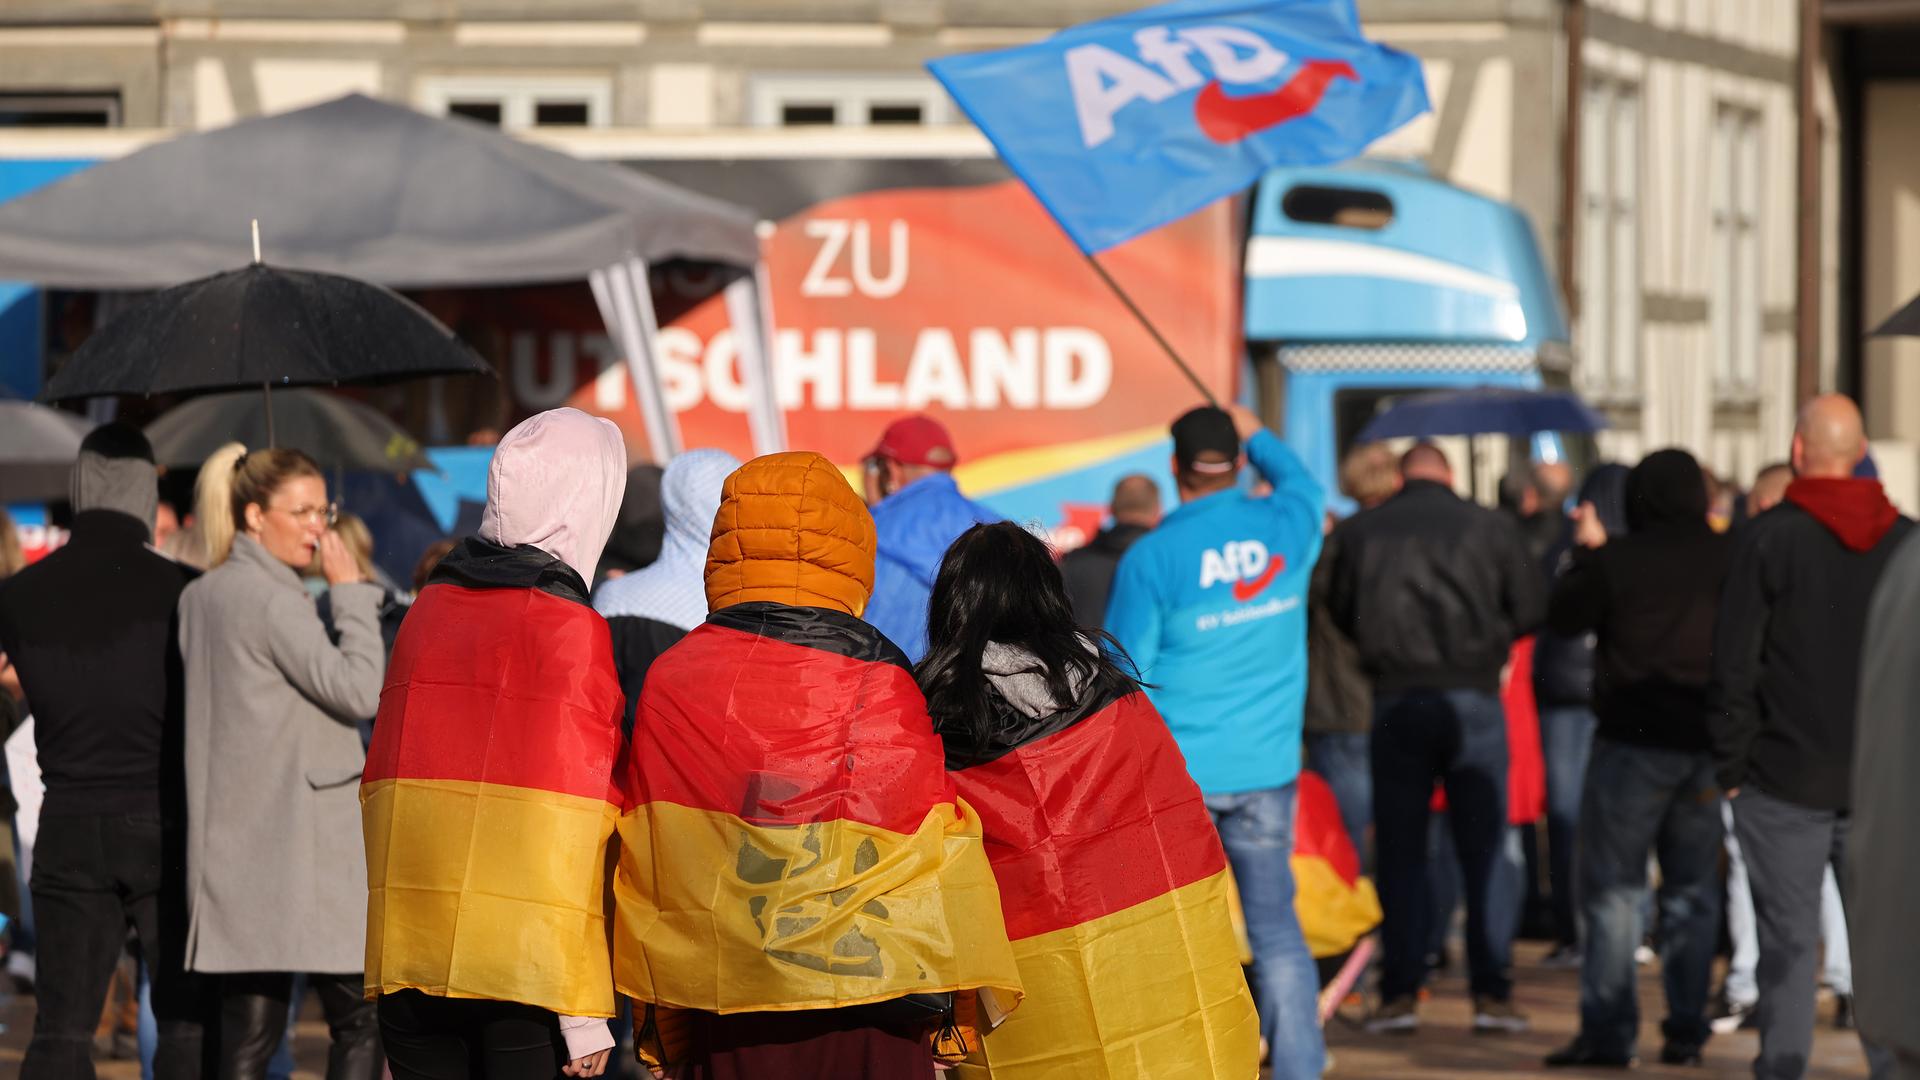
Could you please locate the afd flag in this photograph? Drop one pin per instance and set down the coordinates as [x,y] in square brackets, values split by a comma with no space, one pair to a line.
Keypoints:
[1127,123]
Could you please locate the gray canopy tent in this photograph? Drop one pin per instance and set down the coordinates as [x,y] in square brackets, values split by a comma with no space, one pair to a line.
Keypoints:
[374,190]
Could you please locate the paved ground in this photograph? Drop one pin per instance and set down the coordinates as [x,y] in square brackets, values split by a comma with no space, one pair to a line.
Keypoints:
[1443,1050]
[1446,1047]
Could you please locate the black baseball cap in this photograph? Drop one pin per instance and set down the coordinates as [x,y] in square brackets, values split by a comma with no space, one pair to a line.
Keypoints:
[1206,430]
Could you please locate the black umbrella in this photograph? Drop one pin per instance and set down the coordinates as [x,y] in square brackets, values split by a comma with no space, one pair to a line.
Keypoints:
[337,432]
[37,448]
[262,327]
[1902,323]
[1485,410]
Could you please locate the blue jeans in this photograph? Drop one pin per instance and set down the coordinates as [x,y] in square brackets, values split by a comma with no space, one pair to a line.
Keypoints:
[1640,799]
[1566,739]
[149,1028]
[23,940]
[1256,827]
[1340,758]
[1458,737]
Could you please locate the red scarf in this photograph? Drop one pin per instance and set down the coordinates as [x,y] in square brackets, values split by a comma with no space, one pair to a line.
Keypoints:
[1854,509]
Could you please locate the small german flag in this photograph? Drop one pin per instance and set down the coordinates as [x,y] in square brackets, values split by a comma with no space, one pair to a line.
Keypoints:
[1117,896]
[1336,906]
[488,800]
[793,841]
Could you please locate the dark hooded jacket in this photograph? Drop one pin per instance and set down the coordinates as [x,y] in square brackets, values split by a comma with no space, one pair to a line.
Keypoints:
[1339,694]
[1650,597]
[1786,673]
[92,629]
[1563,663]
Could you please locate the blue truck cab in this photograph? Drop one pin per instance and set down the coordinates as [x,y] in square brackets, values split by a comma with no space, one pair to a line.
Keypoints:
[1374,279]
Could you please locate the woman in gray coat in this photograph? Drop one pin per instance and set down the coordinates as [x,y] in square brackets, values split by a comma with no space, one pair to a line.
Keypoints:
[276,872]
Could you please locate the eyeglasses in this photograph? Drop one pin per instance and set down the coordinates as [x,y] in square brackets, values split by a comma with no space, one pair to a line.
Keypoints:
[326,515]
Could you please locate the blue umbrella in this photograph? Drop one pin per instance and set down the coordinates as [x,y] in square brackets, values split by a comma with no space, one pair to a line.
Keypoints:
[1485,410]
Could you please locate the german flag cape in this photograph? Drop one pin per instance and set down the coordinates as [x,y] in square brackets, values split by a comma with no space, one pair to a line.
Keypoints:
[794,842]
[1336,906]
[1117,898]
[488,800]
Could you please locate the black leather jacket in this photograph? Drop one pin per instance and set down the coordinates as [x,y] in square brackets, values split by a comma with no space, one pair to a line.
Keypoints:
[1433,590]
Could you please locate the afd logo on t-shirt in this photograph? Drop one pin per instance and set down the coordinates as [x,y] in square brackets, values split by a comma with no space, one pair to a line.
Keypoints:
[1246,563]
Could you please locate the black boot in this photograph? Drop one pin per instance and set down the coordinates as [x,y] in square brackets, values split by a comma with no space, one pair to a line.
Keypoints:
[1682,1053]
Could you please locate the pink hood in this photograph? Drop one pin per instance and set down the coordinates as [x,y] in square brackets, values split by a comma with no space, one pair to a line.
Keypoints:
[556,483]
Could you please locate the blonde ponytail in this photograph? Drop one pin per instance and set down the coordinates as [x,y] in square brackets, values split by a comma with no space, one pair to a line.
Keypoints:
[232,479]
[213,502]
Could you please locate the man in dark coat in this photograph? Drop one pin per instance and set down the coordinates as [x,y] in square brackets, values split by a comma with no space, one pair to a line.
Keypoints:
[1339,709]
[1651,596]
[92,630]
[1786,677]
[1434,591]
[1089,570]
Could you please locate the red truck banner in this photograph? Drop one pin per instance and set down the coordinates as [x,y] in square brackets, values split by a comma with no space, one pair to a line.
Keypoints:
[964,302]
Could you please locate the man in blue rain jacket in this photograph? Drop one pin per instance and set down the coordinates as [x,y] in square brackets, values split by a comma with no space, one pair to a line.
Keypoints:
[1212,607]
[918,512]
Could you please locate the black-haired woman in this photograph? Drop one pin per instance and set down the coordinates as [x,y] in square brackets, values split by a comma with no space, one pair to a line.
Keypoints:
[1112,880]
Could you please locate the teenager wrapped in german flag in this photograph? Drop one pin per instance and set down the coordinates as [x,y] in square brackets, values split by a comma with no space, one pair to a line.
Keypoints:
[799,883]
[489,799]
[1112,878]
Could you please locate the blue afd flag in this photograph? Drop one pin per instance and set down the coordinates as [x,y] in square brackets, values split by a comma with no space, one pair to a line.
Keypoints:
[1128,123]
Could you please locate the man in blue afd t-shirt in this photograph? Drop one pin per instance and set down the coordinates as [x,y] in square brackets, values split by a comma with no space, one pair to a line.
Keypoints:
[1212,606]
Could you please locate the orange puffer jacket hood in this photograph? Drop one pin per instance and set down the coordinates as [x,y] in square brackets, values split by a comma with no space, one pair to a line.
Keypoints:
[791,531]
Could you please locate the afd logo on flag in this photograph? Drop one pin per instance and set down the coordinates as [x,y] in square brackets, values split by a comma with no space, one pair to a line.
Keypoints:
[1125,124]
[1105,82]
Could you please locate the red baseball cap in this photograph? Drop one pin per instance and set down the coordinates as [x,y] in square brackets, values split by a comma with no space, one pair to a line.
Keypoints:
[917,440]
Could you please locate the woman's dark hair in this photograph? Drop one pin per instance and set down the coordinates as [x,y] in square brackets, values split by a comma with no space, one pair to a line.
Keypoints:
[999,583]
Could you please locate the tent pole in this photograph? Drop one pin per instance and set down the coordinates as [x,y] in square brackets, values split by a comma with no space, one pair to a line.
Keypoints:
[747,312]
[266,393]
[653,391]
[614,295]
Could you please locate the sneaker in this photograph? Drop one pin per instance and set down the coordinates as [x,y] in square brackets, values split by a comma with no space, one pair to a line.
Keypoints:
[1401,1016]
[1494,1016]
[1579,1055]
[1564,957]
[1843,1013]
[1736,1016]
[1645,956]
[1683,1053]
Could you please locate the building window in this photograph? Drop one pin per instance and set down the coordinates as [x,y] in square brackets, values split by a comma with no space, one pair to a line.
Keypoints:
[1736,299]
[1610,319]
[518,102]
[800,115]
[847,101]
[19,110]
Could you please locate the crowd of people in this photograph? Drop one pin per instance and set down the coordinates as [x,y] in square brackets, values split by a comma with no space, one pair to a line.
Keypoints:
[813,782]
